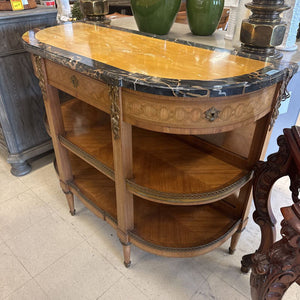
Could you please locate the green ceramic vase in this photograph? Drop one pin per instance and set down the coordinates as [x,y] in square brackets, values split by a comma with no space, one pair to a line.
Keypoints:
[155,16]
[204,15]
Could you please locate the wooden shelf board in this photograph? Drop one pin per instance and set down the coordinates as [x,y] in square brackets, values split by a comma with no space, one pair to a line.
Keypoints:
[163,165]
[89,129]
[175,230]
[94,189]
[171,229]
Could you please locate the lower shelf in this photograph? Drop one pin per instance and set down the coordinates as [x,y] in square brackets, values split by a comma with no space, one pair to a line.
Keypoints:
[180,231]
[94,189]
[163,229]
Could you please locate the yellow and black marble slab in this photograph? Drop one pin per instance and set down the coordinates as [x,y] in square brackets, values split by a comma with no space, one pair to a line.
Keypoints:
[153,64]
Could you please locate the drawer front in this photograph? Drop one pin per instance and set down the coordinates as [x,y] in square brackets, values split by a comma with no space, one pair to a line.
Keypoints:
[195,115]
[91,91]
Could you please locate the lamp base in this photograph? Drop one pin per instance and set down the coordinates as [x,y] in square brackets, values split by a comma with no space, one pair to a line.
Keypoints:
[262,52]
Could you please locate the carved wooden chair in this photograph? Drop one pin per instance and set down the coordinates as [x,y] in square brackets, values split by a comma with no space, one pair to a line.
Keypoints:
[275,266]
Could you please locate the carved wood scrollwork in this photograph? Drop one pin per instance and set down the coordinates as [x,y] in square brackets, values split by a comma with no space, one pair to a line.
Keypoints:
[295,185]
[282,96]
[265,175]
[38,61]
[273,272]
[115,110]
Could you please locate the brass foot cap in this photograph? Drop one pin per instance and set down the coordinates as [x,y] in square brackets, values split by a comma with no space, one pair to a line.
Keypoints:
[127,265]
[230,251]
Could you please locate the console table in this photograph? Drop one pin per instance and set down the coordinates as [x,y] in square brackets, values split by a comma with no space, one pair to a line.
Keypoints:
[22,132]
[161,135]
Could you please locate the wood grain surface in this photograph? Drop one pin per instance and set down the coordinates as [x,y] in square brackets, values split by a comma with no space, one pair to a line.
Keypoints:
[161,162]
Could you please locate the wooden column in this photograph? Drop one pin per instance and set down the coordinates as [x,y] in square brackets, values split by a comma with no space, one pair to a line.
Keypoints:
[56,126]
[122,150]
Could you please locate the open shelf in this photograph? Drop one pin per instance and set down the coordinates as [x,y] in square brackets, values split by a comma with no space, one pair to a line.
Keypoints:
[166,169]
[94,189]
[180,231]
[158,228]
[88,135]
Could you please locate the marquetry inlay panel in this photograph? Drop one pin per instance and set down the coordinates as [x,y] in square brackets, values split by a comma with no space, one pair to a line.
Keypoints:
[159,113]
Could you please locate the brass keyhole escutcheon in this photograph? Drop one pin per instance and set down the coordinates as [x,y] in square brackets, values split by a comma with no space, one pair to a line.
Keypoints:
[74,81]
[212,114]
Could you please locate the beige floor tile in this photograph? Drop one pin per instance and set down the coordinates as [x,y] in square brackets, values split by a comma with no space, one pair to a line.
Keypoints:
[43,243]
[30,291]
[227,267]
[19,213]
[230,264]
[84,222]
[52,194]
[39,177]
[215,288]
[293,293]
[5,166]
[12,273]
[123,289]
[10,186]
[105,241]
[81,274]
[167,278]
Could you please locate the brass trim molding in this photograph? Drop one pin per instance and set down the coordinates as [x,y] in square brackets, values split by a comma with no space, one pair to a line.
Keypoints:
[186,199]
[282,96]
[38,61]
[136,239]
[87,157]
[115,110]
[77,191]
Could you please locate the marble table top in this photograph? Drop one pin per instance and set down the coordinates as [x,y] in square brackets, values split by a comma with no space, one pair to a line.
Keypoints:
[217,39]
[165,65]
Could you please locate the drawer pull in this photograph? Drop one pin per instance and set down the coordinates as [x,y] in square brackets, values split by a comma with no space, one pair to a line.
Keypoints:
[211,114]
[74,81]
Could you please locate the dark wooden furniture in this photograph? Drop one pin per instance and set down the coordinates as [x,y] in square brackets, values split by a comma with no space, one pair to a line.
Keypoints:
[275,266]
[120,6]
[161,136]
[22,132]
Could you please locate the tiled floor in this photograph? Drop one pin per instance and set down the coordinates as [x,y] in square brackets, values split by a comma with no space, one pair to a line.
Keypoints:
[47,254]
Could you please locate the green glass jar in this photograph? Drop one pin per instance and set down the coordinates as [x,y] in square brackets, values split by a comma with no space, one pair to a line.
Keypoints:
[155,16]
[204,15]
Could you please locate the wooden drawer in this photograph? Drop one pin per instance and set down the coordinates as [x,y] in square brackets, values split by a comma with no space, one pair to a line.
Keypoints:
[195,115]
[89,90]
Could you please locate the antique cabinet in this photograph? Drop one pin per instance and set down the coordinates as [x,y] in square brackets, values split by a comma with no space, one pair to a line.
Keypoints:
[22,132]
[161,136]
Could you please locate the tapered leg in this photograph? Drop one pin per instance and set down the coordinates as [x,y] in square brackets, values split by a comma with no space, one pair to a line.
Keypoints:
[56,127]
[234,240]
[70,199]
[122,151]
[126,254]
